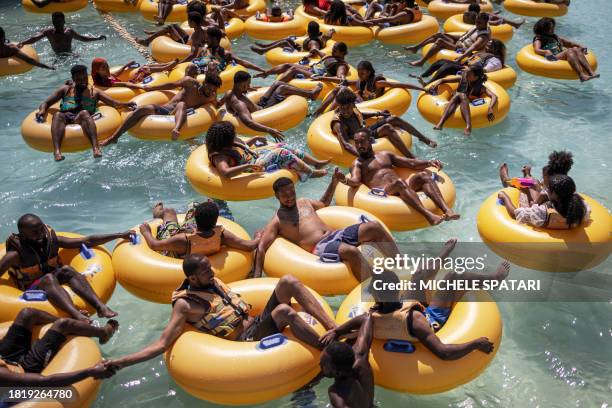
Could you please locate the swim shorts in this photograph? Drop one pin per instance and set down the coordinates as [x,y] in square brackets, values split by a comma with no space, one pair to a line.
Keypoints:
[327,248]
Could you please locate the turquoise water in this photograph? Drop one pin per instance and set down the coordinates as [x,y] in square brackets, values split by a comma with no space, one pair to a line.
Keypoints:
[552,354]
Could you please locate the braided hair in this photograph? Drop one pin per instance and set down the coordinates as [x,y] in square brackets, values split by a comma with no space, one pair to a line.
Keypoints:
[569,204]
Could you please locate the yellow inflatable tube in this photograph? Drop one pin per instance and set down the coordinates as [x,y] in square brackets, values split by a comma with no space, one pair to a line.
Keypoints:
[77,353]
[325,278]
[432,107]
[282,116]
[125,94]
[244,187]
[308,17]
[352,36]
[503,32]
[533,9]
[234,28]
[442,10]
[545,249]
[66,6]
[227,75]
[12,65]
[408,33]
[278,56]
[421,372]
[324,144]
[148,9]
[392,210]
[395,100]
[38,135]
[253,7]
[241,373]
[118,6]
[98,270]
[264,30]
[153,276]
[159,127]
[536,64]
[165,49]
[310,84]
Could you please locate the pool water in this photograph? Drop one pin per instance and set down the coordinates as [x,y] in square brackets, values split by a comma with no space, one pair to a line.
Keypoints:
[552,354]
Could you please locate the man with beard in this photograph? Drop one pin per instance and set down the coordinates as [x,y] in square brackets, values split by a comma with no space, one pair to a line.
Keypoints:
[78,104]
[375,170]
[211,307]
[60,37]
[350,368]
[297,221]
[192,96]
[34,263]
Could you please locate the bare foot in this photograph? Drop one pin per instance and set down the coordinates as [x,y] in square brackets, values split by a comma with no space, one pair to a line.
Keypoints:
[142,41]
[435,219]
[58,157]
[256,50]
[175,134]
[319,173]
[503,174]
[158,210]
[106,312]
[451,216]
[431,143]
[418,63]
[261,75]
[97,153]
[437,127]
[413,49]
[316,91]
[502,271]
[110,329]
[321,163]
[450,245]
[467,131]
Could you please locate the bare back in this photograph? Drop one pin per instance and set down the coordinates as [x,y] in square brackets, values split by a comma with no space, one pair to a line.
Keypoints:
[301,225]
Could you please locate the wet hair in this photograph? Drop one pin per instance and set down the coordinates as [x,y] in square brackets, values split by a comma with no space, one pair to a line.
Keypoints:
[214,32]
[220,135]
[474,8]
[336,13]
[314,29]
[206,215]
[499,50]
[58,14]
[483,17]
[340,47]
[196,6]
[195,17]
[276,10]
[559,162]
[191,264]
[478,70]
[345,97]
[27,219]
[542,25]
[280,183]
[241,76]
[570,204]
[77,69]
[341,355]
[214,79]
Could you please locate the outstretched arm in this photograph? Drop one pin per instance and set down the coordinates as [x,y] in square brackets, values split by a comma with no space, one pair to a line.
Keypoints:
[387,84]
[115,103]
[236,242]
[9,379]
[267,238]
[415,164]
[176,243]
[91,240]
[86,38]
[35,38]
[26,58]
[328,195]
[346,328]
[246,63]
[169,336]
